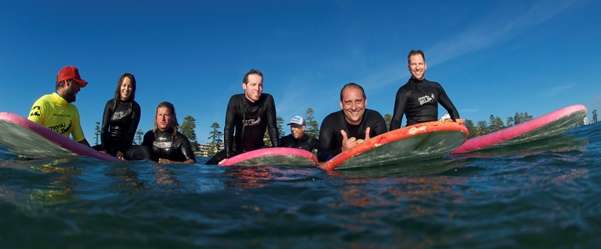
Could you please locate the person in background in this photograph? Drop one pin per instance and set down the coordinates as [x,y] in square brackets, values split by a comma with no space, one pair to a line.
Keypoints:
[298,138]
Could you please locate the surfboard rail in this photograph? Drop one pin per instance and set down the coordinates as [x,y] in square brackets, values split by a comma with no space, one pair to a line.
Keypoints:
[394,136]
[53,137]
[282,152]
[507,134]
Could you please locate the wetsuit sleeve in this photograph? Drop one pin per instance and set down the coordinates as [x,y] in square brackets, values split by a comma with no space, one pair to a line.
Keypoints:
[106,117]
[314,144]
[228,129]
[186,148]
[148,139]
[379,126]
[76,131]
[326,137]
[147,142]
[37,113]
[282,142]
[447,104]
[272,122]
[399,109]
[133,126]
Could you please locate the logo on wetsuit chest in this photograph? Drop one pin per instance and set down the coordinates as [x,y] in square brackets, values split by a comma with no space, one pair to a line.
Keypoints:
[425,99]
[251,122]
[163,144]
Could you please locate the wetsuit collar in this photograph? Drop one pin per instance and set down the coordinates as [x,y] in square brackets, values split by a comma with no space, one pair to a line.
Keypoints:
[416,81]
[249,102]
[349,124]
[168,130]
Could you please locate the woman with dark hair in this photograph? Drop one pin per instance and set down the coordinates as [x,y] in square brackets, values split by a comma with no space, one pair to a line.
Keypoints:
[120,119]
[164,142]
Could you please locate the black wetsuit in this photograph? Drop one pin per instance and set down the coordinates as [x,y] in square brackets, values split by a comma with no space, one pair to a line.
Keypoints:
[306,142]
[168,146]
[419,99]
[330,139]
[119,124]
[245,124]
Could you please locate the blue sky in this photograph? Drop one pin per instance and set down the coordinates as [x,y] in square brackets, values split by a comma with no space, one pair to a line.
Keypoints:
[492,57]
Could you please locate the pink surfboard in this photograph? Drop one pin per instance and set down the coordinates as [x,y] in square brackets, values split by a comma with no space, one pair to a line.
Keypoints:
[26,138]
[545,126]
[276,156]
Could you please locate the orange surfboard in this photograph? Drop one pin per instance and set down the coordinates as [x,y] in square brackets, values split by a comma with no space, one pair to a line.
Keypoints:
[416,142]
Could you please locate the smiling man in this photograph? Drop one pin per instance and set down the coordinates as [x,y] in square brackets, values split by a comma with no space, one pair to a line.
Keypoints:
[344,129]
[247,117]
[419,98]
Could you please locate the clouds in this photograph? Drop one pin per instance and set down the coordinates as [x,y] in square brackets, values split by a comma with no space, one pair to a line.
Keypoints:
[557,90]
[494,28]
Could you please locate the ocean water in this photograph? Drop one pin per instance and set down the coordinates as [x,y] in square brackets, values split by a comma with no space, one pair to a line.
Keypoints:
[544,195]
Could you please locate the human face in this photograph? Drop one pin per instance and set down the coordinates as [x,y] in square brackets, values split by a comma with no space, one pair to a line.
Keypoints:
[126,89]
[353,105]
[163,118]
[70,91]
[253,88]
[417,66]
[298,131]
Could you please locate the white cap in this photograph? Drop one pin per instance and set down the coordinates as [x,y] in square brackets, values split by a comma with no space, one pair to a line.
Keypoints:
[297,120]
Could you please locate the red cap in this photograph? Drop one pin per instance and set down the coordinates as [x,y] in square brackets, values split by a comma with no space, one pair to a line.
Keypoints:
[70,73]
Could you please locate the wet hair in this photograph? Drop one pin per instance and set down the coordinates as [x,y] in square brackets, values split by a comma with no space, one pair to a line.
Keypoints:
[415,52]
[132,96]
[171,108]
[251,71]
[352,84]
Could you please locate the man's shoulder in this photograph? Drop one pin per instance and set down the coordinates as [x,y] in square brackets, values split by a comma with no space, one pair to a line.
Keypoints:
[149,133]
[433,83]
[182,136]
[239,96]
[46,98]
[333,115]
[373,113]
[288,137]
[404,88]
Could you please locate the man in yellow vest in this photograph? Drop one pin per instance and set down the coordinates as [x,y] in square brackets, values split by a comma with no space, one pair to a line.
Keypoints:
[55,110]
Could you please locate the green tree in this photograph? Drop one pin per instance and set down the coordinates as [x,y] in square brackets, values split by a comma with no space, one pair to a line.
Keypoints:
[482,128]
[215,139]
[97,132]
[311,123]
[139,136]
[521,117]
[495,123]
[266,139]
[388,119]
[509,121]
[187,128]
[280,124]
[470,127]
